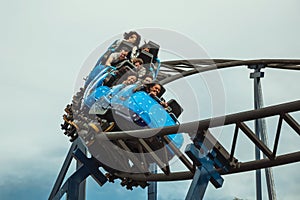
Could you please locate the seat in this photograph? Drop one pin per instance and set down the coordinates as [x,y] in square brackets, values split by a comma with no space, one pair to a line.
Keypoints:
[154,49]
[124,45]
[176,108]
[146,57]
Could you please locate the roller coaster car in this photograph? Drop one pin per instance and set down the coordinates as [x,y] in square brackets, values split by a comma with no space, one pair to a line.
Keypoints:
[128,108]
[133,110]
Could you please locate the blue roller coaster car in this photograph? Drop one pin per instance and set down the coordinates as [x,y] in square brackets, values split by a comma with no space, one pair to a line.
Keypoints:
[130,109]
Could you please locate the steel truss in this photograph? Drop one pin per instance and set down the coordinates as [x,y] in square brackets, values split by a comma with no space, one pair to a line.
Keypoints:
[220,161]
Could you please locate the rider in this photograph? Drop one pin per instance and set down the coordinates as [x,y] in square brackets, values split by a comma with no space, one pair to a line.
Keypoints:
[156,90]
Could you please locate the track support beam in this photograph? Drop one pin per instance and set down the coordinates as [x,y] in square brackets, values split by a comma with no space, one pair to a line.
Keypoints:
[205,171]
[72,187]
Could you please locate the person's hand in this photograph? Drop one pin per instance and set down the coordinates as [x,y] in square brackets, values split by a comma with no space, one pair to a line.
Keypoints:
[164,104]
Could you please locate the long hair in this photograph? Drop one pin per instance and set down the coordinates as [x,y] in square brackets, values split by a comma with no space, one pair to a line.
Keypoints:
[138,39]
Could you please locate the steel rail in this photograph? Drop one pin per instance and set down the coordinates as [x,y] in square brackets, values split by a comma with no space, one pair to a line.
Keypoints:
[288,64]
[237,118]
[243,167]
[189,127]
[189,67]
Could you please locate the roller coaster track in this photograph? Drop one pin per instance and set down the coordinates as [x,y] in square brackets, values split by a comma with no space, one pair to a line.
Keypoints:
[238,120]
[201,130]
[184,68]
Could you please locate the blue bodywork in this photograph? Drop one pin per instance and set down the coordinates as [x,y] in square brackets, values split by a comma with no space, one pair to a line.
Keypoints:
[136,107]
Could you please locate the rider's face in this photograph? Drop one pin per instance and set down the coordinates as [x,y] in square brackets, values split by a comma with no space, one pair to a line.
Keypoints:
[123,54]
[130,80]
[147,80]
[132,38]
[155,90]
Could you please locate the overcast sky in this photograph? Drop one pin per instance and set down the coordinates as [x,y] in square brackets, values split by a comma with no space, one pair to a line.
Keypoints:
[44,45]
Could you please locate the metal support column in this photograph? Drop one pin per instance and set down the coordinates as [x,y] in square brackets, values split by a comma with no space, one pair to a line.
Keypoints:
[74,186]
[58,183]
[152,188]
[82,186]
[260,130]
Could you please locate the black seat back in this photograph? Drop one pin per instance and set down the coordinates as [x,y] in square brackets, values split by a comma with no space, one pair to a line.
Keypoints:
[146,57]
[176,108]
